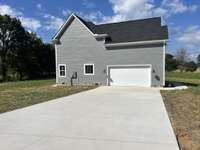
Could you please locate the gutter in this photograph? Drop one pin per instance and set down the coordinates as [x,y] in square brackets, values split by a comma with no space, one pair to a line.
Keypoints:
[136,43]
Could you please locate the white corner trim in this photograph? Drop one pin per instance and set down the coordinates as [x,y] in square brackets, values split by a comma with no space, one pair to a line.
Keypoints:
[135,43]
[164,52]
[59,70]
[88,74]
[56,55]
[129,65]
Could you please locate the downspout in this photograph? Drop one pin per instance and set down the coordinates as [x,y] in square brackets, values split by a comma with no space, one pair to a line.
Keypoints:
[164,52]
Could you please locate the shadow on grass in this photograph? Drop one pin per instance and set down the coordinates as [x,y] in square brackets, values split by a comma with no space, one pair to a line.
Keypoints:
[175,84]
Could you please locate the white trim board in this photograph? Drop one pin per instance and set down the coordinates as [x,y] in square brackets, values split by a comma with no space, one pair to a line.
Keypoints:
[129,65]
[59,70]
[164,52]
[89,74]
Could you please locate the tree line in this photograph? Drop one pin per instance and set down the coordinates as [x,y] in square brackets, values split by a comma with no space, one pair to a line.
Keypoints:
[181,61]
[22,54]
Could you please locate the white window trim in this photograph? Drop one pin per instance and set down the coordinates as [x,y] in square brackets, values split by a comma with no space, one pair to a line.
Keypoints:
[88,74]
[59,70]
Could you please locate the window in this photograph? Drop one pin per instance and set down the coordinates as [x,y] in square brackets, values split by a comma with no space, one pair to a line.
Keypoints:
[62,70]
[88,69]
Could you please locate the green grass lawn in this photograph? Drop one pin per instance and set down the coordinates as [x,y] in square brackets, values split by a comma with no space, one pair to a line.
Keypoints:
[14,95]
[183,106]
[185,77]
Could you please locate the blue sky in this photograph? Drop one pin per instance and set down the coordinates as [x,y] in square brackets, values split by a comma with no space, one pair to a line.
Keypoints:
[45,16]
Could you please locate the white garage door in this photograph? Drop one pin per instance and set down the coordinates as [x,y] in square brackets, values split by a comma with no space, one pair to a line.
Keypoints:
[130,76]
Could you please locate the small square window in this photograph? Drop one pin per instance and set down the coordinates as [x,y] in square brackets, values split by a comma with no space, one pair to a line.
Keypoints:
[89,69]
[62,70]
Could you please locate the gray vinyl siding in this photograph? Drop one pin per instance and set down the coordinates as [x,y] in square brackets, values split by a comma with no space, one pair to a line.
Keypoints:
[79,47]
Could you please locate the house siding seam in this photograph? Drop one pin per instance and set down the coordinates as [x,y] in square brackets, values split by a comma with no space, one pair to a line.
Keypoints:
[79,47]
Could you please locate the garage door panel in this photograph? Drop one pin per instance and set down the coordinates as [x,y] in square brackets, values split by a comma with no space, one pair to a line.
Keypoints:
[131,76]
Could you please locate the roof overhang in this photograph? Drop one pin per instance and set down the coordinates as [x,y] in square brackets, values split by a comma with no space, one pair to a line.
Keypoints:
[136,43]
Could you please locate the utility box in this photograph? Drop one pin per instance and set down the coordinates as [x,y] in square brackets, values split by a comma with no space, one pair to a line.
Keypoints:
[74,75]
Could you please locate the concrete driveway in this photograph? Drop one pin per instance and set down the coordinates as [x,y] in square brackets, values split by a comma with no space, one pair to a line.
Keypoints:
[106,118]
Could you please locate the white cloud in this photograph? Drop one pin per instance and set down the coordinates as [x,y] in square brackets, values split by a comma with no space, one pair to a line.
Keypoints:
[7,10]
[136,9]
[174,31]
[177,6]
[66,12]
[88,4]
[39,6]
[52,22]
[30,23]
[130,9]
[191,36]
[94,16]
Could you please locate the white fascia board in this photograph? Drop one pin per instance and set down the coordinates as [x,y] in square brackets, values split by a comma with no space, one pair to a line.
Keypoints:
[61,28]
[136,43]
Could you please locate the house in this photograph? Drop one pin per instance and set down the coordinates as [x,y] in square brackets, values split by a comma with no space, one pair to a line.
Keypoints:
[130,53]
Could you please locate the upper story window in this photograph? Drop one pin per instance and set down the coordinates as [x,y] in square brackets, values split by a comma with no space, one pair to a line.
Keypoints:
[62,70]
[88,69]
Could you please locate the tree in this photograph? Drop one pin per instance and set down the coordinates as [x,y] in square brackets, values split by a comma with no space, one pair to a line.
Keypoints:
[11,37]
[171,63]
[198,60]
[47,64]
[35,59]
[191,66]
[24,58]
[23,52]
[182,58]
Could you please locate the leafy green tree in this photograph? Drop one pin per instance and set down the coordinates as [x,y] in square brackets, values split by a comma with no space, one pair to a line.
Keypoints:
[24,59]
[23,52]
[11,37]
[35,59]
[47,64]
[171,63]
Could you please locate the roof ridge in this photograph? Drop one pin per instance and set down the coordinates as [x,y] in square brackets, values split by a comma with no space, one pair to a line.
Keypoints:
[130,21]
[136,20]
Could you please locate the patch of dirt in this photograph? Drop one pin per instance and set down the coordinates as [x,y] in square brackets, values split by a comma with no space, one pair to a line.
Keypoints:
[185,142]
[184,111]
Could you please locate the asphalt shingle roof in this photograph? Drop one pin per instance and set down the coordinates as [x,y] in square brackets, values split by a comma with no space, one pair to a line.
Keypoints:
[131,31]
